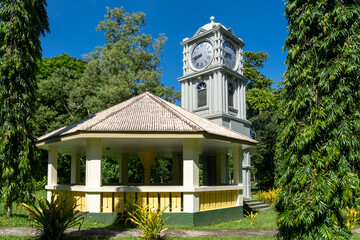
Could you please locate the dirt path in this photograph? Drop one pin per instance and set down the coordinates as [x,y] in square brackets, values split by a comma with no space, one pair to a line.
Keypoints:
[103,232]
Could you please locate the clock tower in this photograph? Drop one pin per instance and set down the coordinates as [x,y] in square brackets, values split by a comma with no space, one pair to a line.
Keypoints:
[213,84]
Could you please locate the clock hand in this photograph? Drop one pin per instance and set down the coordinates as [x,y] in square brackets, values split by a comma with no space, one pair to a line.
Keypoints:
[196,57]
[227,54]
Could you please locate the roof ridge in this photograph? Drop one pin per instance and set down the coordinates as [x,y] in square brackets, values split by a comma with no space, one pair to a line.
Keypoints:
[188,121]
[209,121]
[127,103]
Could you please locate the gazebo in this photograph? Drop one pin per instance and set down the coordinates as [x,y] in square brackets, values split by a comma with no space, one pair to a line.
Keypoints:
[148,127]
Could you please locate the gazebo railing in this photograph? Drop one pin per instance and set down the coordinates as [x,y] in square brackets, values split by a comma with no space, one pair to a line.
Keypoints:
[114,202]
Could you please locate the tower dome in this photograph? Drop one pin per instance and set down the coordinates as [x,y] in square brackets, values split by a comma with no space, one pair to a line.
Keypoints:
[212,24]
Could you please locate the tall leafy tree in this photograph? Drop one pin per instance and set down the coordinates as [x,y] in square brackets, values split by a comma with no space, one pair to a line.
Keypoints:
[21,24]
[318,150]
[261,100]
[128,64]
[59,103]
[59,100]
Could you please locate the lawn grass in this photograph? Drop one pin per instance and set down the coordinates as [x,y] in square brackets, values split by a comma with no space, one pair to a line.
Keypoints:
[264,220]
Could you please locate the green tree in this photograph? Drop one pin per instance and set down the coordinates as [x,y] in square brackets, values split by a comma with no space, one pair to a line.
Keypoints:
[59,101]
[261,100]
[21,24]
[71,89]
[58,104]
[318,148]
[128,64]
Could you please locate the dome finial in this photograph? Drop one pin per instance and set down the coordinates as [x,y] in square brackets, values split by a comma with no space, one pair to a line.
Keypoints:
[212,19]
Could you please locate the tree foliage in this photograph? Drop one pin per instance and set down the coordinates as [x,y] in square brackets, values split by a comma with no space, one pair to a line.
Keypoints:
[128,64]
[261,100]
[59,103]
[71,89]
[318,148]
[21,24]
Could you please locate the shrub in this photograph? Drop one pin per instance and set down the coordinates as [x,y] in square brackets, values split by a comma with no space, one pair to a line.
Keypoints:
[54,217]
[148,220]
[268,196]
[251,216]
[130,207]
[352,217]
[40,185]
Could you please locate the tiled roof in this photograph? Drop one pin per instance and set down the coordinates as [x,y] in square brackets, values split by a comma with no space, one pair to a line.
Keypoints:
[147,113]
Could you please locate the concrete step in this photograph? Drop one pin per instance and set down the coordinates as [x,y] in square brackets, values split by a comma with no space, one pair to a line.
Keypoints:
[250,201]
[255,205]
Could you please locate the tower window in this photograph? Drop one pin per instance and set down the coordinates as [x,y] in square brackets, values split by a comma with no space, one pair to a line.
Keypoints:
[201,90]
[231,95]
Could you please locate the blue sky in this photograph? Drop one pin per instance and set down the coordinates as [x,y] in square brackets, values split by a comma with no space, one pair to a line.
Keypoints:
[260,23]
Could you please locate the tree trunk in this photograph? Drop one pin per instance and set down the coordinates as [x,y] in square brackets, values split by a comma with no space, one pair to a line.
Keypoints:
[8,206]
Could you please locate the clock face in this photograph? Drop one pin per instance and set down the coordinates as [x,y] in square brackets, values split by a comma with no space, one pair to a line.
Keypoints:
[229,54]
[202,55]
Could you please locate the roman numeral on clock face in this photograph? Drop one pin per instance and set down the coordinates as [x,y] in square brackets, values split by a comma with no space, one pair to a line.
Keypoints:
[201,55]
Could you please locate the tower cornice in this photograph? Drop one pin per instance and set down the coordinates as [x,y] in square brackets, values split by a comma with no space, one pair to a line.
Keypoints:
[202,33]
[212,69]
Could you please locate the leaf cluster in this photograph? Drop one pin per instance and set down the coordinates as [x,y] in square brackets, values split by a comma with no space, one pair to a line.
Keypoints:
[149,220]
[54,217]
[128,64]
[318,147]
[261,107]
[21,24]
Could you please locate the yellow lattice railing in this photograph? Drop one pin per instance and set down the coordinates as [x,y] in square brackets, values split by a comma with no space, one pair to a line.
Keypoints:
[115,202]
[218,199]
[70,197]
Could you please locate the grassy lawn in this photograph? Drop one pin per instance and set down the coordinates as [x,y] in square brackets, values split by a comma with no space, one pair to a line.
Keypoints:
[264,220]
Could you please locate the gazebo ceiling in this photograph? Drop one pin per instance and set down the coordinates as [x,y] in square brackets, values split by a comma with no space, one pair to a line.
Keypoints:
[112,147]
[143,123]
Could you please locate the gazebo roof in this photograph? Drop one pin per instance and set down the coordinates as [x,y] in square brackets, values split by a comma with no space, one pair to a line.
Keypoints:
[146,113]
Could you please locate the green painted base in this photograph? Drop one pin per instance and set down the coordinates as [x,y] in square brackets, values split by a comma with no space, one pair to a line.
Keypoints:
[205,217]
[193,219]
[103,217]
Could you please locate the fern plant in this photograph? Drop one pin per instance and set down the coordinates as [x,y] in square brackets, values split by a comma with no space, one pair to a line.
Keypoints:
[148,220]
[54,217]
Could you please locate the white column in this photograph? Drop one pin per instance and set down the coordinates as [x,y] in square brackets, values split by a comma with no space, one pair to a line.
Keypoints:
[191,202]
[226,94]
[191,163]
[75,168]
[93,178]
[183,91]
[211,88]
[247,174]
[191,174]
[237,155]
[52,168]
[93,163]
[52,165]
[240,199]
[243,89]
[223,91]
